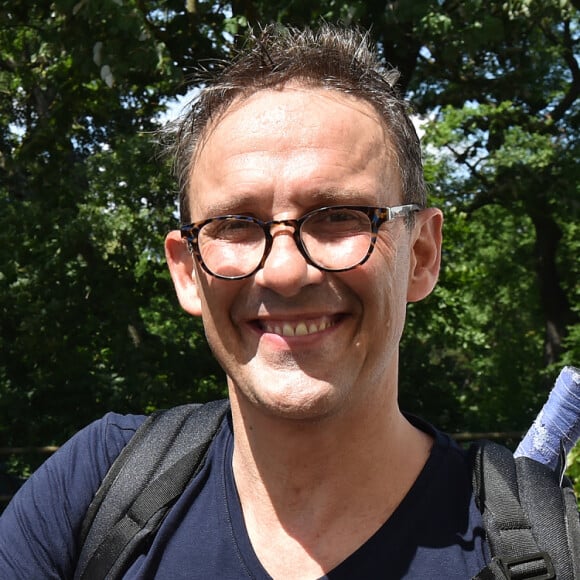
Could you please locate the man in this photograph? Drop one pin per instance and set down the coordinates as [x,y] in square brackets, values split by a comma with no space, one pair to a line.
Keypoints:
[306,234]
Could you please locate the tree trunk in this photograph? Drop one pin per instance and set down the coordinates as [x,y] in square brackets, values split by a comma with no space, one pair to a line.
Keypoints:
[553,300]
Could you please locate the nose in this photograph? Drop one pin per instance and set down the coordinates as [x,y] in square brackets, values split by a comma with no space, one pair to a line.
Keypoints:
[285,270]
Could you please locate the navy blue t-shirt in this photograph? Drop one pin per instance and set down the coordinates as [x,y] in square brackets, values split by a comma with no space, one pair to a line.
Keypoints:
[436,532]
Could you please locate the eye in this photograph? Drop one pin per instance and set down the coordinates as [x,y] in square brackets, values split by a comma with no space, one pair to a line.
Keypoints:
[338,221]
[233,230]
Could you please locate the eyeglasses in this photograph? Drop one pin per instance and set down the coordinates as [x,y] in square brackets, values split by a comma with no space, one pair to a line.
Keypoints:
[333,239]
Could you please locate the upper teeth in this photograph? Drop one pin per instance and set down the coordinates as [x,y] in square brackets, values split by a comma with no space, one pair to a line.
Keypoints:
[296,328]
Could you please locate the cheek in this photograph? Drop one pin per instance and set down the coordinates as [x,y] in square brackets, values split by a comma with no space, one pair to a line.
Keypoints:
[393,254]
[216,300]
[381,288]
[221,304]
[215,316]
[385,273]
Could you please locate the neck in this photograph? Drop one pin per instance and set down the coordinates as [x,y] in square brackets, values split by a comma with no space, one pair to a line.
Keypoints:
[303,481]
[288,449]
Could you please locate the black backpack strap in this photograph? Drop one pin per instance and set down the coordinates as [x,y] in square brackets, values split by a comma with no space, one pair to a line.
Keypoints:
[532,523]
[500,569]
[144,481]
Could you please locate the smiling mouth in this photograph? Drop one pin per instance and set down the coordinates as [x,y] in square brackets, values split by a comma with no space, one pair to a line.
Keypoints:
[297,327]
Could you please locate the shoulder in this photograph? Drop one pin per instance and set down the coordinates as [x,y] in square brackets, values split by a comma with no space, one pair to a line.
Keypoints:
[444,446]
[452,506]
[41,523]
[449,514]
[85,458]
[436,531]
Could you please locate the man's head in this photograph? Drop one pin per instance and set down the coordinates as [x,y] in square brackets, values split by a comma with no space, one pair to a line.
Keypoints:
[302,262]
[331,58]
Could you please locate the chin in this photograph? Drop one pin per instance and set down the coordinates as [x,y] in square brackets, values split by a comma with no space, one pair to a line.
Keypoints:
[297,403]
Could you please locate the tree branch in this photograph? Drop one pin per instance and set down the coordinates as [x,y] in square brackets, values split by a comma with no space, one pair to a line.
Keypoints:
[568,54]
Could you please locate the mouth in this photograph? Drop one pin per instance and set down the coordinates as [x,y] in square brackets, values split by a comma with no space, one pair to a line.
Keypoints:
[288,328]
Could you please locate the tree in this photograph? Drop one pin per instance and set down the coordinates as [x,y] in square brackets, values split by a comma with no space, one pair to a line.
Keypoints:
[84,206]
[511,146]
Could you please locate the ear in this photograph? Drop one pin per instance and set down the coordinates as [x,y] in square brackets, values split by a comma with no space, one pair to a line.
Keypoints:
[425,258]
[183,273]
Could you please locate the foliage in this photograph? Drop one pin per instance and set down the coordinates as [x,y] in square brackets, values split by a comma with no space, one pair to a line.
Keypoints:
[573,470]
[88,321]
[503,156]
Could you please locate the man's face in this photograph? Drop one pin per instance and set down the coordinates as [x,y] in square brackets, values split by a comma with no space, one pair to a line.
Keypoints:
[294,340]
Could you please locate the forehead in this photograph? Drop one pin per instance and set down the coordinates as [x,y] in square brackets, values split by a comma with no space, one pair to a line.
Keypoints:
[293,139]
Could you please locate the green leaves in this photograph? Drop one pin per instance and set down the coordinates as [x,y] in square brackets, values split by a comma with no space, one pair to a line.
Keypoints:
[84,208]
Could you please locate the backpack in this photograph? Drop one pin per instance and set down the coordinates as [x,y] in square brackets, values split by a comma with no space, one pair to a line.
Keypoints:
[530,516]
[529,511]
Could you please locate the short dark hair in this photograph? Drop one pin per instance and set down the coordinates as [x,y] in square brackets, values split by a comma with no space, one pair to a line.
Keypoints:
[331,57]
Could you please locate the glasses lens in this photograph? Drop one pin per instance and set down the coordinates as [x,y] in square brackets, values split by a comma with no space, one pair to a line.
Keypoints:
[337,238]
[231,247]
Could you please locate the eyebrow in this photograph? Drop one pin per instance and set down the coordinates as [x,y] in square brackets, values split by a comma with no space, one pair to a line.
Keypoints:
[341,196]
[231,206]
[247,203]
